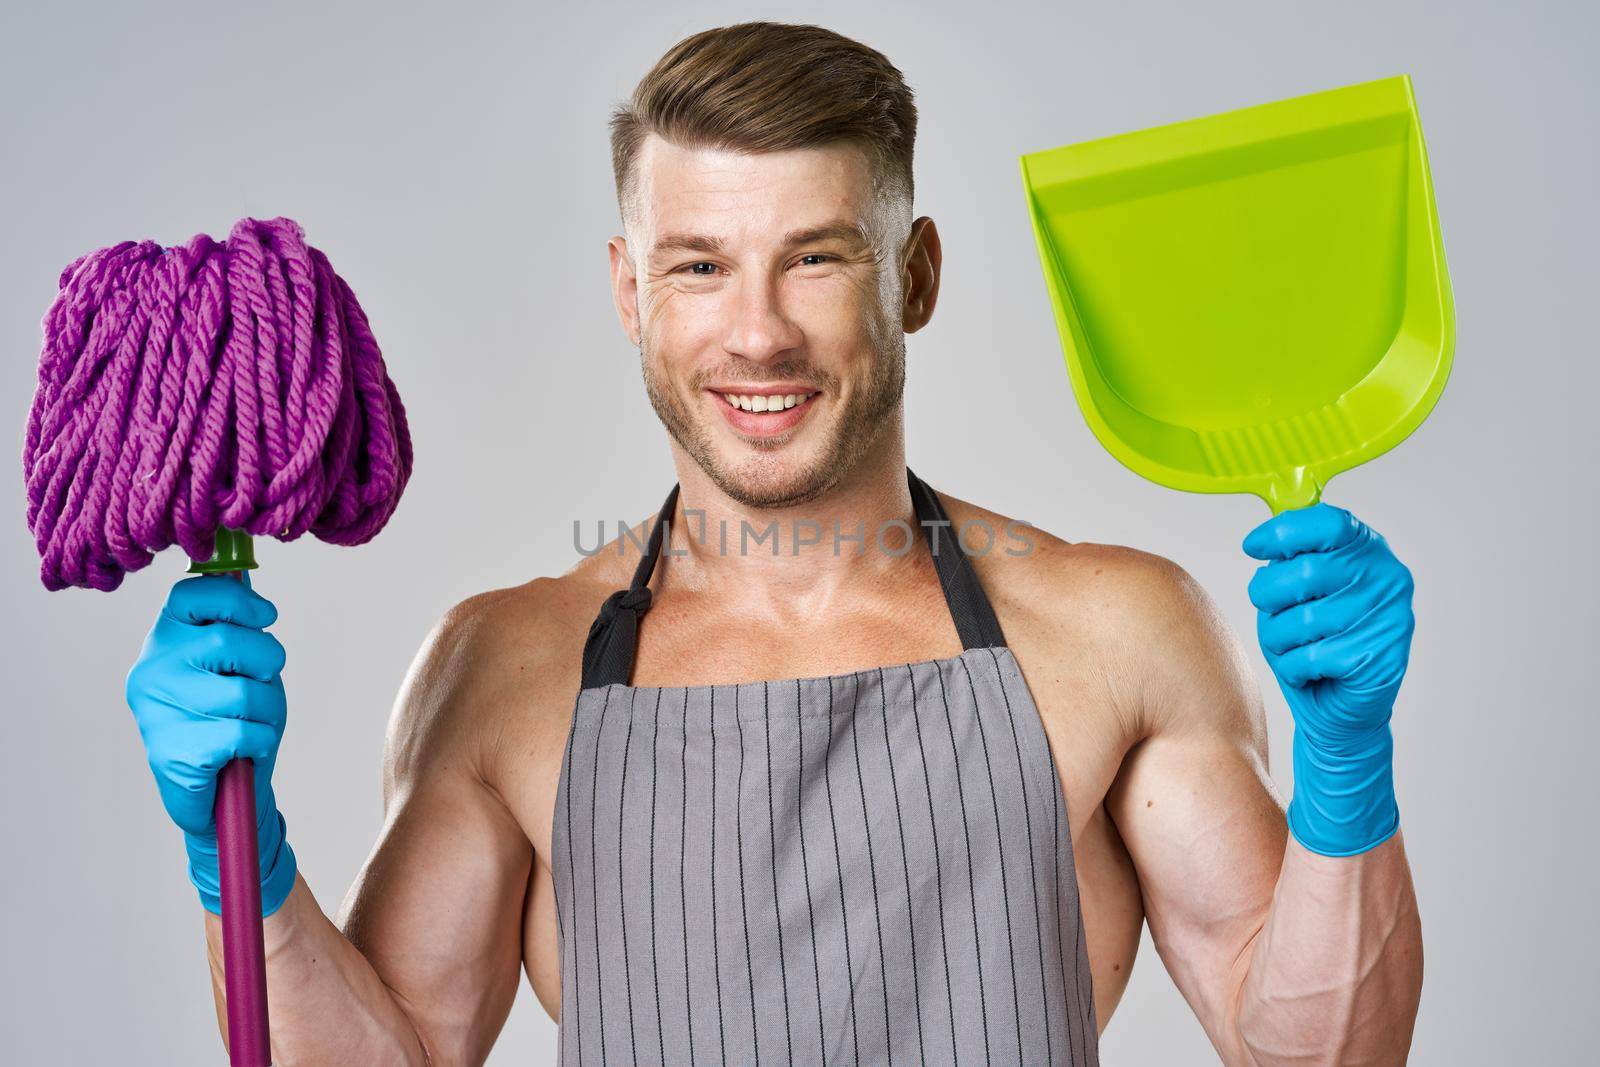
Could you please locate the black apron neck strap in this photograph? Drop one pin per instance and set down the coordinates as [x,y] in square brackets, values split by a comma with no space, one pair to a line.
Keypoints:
[969,605]
[608,650]
[614,634]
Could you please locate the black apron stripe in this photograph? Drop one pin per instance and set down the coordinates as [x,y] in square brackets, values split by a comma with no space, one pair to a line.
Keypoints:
[655,965]
[683,880]
[716,952]
[872,863]
[844,888]
[1000,851]
[1033,874]
[972,883]
[905,862]
[575,949]
[594,877]
[777,907]
[744,908]
[622,881]
[805,866]
[938,869]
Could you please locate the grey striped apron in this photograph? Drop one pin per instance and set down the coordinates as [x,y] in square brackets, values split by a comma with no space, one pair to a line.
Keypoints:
[869,868]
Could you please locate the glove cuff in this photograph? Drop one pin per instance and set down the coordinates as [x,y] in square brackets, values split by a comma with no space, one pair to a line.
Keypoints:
[277,871]
[277,860]
[1344,801]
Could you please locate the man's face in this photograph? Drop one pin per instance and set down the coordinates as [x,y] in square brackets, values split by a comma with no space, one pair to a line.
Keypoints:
[766,294]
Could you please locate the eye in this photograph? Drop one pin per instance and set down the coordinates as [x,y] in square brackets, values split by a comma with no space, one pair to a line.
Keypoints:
[816,255]
[692,269]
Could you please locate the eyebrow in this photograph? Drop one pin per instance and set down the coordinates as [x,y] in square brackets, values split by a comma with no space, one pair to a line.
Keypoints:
[839,229]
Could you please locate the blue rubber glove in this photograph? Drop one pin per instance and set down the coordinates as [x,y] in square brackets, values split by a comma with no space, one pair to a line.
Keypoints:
[1335,625]
[206,688]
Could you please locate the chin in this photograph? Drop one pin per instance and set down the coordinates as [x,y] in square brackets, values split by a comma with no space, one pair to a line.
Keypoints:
[770,480]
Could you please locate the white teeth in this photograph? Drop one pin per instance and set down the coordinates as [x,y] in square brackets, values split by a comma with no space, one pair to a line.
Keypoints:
[762,402]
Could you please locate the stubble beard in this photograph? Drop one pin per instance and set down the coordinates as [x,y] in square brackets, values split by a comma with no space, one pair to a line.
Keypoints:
[764,483]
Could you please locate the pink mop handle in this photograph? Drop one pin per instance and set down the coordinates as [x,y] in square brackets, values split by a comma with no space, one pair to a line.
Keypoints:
[244,954]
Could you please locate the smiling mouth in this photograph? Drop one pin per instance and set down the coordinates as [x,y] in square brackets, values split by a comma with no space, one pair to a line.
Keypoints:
[766,402]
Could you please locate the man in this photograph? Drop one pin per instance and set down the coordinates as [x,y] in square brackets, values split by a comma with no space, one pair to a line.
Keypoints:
[1023,753]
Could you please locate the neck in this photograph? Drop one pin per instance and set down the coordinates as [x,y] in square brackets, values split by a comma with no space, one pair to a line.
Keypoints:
[800,560]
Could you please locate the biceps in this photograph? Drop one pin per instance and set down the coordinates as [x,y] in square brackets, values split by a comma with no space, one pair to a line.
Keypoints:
[1206,833]
[437,910]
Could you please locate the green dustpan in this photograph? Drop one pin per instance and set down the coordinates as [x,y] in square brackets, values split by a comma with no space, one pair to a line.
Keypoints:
[1254,301]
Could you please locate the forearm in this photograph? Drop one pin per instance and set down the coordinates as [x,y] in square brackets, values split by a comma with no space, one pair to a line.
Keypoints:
[328,1004]
[1335,975]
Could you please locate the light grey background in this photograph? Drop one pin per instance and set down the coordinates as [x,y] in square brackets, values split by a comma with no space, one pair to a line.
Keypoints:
[454,165]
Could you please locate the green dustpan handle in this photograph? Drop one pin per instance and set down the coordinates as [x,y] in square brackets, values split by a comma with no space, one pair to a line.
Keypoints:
[1296,488]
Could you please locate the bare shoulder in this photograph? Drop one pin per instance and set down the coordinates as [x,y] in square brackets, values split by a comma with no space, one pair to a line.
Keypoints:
[1114,593]
[500,668]
[1138,623]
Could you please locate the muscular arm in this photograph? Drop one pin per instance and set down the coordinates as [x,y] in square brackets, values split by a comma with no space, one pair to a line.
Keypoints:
[426,965]
[1286,956]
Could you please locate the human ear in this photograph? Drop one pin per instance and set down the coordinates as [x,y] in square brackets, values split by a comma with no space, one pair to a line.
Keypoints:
[920,274]
[624,287]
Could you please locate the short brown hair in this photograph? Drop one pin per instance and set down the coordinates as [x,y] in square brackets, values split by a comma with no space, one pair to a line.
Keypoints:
[769,87]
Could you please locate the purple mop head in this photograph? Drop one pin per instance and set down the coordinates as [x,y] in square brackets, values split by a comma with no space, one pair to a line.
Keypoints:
[182,389]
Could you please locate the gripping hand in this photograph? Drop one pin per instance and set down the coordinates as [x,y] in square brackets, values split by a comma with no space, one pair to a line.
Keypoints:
[206,689]
[1335,623]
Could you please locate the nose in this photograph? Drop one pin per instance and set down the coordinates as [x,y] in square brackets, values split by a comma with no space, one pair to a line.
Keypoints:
[758,329]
